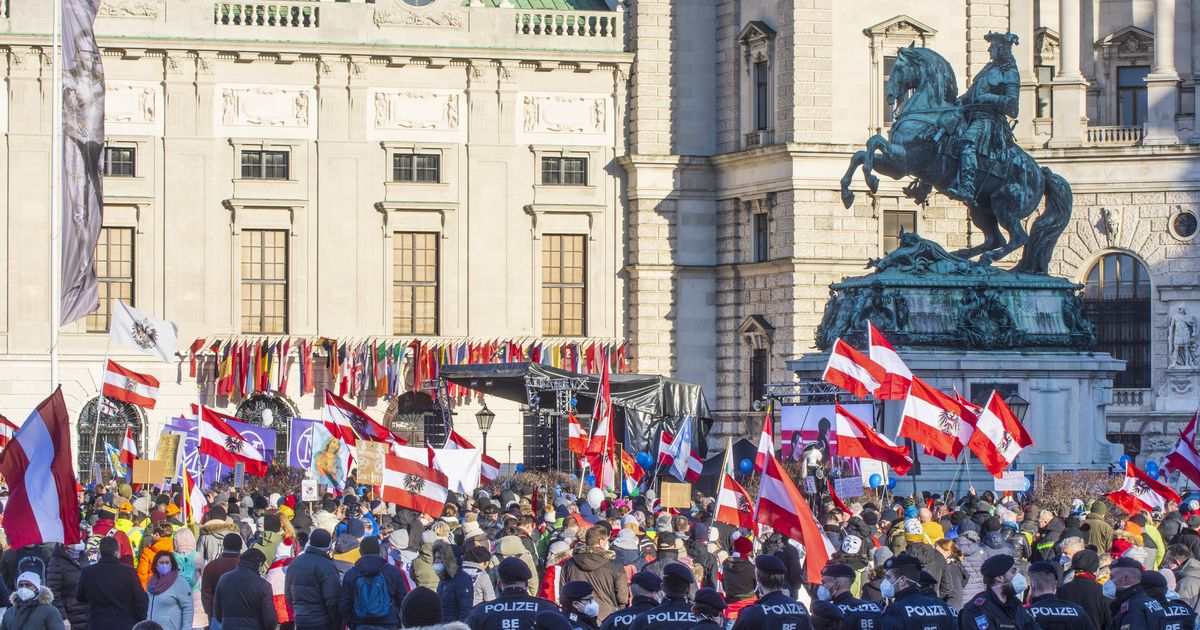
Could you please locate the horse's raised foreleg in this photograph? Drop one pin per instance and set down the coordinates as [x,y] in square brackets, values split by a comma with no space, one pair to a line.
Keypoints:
[856,160]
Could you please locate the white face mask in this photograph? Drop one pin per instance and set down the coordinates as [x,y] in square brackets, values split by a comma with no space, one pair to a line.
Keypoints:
[591,609]
[1019,584]
[823,593]
[438,567]
[1109,589]
[887,589]
[26,594]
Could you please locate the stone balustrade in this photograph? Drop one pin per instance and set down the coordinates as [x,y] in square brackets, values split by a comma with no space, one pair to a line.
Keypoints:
[1129,397]
[1115,136]
[273,14]
[602,24]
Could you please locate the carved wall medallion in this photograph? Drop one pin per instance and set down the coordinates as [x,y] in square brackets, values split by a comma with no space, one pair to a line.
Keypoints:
[565,114]
[267,111]
[129,9]
[431,114]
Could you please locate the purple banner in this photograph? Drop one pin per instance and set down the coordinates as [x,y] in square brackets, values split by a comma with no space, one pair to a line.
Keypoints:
[261,437]
[300,443]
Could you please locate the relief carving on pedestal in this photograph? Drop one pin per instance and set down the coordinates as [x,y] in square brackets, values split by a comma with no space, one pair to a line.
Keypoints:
[410,109]
[566,114]
[398,16]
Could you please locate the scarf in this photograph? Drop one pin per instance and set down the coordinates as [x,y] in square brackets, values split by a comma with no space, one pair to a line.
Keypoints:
[158,583]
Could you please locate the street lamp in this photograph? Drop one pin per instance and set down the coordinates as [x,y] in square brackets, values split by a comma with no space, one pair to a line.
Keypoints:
[484,418]
[1018,405]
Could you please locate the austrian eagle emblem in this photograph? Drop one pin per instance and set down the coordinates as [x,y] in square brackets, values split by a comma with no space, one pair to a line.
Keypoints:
[414,483]
[234,444]
[144,334]
[948,423]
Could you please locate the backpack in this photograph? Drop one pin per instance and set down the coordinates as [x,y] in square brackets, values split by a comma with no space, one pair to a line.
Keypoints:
[32,563]
[371,599]
[91,548]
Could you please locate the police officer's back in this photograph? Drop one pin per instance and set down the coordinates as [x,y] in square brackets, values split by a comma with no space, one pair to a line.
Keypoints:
[998,606]
[1047,609]
[774,610]
[1179,616]
[1132,608]
[675,611]
[513,609]
[910,608]
[836,608]
[644,589]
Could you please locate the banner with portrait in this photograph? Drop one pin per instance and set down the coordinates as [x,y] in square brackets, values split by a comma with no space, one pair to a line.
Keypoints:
[204,467]
[802,425]
[330,458]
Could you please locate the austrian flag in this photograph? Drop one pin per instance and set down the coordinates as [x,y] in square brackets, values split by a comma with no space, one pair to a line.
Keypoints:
[223,443]
[1185,458]
[998,436]
[733,504]
[897,376]
[857,439]
[1141,492]
[410,484]
[933,419]
[125,385]
[852,370]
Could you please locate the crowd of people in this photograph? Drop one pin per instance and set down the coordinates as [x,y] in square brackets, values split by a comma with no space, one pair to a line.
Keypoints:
[525,560]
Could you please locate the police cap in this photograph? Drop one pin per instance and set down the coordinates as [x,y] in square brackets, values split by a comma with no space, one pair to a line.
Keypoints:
[768,564]
[647,580]
[512,570]
[996,566]
[679,571]
[903,560]
[838,570]
[1042,566]
[709,598]
[577,589]
[1153,579]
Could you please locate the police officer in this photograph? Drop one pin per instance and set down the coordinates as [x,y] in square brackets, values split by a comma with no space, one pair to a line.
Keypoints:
[998,607]
[911,609]
[1051,612]
[578,602]
[774,610]
[514,609]
[645,588]
[836,608]
[709,608]
[675,611]
[1132,608]
[1179,616]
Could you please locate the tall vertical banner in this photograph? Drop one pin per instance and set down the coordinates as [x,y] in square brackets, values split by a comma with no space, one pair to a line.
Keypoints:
[300,443]
[330,457]
[82,154]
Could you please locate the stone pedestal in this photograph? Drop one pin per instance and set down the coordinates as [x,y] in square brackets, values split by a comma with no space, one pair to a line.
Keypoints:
[1162,94]
[1067,393]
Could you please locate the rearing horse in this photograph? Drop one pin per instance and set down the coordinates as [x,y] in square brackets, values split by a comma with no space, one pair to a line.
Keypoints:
[1009,189]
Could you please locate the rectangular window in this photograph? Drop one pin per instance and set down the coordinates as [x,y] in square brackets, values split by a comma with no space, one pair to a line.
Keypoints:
[264,281]
[762,102]
[114,271]
[264,164]
[415,283]
[1131,95]
[761,222]
[417,167]
[1045,93]
[888,64]
[564,171]
[893,222]
[758,374]
[564,285]
[120,161]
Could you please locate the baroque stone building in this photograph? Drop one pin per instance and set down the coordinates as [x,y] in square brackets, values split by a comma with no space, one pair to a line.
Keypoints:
[735,222]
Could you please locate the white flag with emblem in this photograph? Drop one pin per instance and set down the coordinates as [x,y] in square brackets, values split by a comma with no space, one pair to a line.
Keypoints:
[135,329]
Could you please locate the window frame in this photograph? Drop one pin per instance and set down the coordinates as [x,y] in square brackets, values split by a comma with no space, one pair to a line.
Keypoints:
[250,283]
[104,311]
[414,169]
[762,94]
[760,231]
[1044,87]
[1140,96]
[897,212]
[562,286]
[1118,313]
[262,165]
[398,238]
[561,170]
[759,373]
[109,149]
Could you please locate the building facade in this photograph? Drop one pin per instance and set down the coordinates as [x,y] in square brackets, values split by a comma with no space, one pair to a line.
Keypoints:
[439,172]
[745,114]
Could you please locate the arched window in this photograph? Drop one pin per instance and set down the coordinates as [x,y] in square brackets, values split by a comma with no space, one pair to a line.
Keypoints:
[115,416]
[1117,297]
[409,414]
[270,411]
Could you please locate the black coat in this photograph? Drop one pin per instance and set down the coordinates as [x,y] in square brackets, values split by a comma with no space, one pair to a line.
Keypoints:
[368,566]
[985,611]
[773,611]
[1053,613]
[912,610]
[243,600]
[113,594]
[311,586]
[1190,539]
[1089,596]
[62,578]
[623,619]
[1133,609]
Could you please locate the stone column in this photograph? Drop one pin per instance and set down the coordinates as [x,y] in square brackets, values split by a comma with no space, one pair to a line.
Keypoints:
[1069,123]
[1163,82]
[1020,19]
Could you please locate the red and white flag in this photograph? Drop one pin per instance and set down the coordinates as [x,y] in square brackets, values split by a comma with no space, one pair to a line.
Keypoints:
[576,442]
[599,452]
[196,504]
[129,450]
[489,468]
[671,456]
[852,370]
[348,422]
[857,439]
[766,441]
[998,436]
[932,418]
[894,385]
[125,385]
[733,504]
[1141,492]
[781,506]
[415,486]
[7,430]
[224,444]
[42,504]
[1185,457]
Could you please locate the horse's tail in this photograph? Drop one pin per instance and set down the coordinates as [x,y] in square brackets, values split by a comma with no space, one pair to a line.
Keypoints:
[1049,225]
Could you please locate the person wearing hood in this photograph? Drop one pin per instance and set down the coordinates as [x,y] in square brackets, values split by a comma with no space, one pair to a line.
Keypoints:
[346,546]
[398,549]
[1083,589]
[169,594]
[422,572]
[999,605]
[269,537]
[243,600]
[625,546]
[476,561]
[372,571]
[931,559]
[420,611]
[111,591]
[595,564]
[312,586]
[1098,532]
[210,543]
[851,554]
[231,549]
[62,578]
[456,588]
[32,606]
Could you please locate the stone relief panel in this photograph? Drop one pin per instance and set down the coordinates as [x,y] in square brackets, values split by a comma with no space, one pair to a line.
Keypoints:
[564,118]
[133,108]
[417,114]
[149,9]
[396,15]
[264,111]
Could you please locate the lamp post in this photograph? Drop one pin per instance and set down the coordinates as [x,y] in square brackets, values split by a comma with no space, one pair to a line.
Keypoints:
[484,418]
[1018,405]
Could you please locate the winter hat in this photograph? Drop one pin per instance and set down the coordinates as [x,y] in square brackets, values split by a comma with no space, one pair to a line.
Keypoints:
[471,529]
[271,523]
[996,566]
[398,539]
[1099,507]
[992,524]
[421,607]
[743,546]
[31,577]
[626,539]
[232,543]
[1086,561]
[320,539]
[369,546]
[559,546]
[910,512]
[184,540]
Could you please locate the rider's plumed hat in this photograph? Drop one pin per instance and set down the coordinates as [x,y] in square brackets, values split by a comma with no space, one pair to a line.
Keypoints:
[1007,38]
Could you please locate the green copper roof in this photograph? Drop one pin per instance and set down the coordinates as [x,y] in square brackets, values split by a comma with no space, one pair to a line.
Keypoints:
[554,5]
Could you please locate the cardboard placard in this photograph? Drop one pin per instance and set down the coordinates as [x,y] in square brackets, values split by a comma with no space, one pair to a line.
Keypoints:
[672,494]
[239,474]
[848,487]
[810,485]
[370,462]
[308,490]
[168,452]
[1013,480]
[148,471]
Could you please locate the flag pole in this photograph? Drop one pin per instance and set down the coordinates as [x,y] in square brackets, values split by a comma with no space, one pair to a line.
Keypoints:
[100,403]
[721,478]
[56,167]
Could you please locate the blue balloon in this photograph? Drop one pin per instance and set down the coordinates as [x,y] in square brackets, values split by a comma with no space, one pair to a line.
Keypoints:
[1152,468]
[590,480]
[644,459]
[746,466]
[520,468]
[875,480]
[574,402]
[1124,461]
[1028,483]
[891,483]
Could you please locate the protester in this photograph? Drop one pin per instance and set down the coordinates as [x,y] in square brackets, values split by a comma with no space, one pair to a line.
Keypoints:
[1179,560]
[111,591]
[243,599]
[1084,589]
[32,606]
[1099,533]
[62,578]
[170,596]
[231,544]
[595,564]
[421,608]
[312,586]
[160,540]
[372,590]
[476,561]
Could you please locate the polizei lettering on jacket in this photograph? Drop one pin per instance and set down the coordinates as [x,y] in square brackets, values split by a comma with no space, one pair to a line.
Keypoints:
[1053,611]
[661,617]
[511,607]
[784,609]
[925,611]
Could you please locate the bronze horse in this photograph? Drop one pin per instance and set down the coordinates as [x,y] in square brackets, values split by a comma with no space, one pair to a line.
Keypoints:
[921,143]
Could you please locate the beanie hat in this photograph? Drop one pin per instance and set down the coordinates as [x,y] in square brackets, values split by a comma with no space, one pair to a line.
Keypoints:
[320,539]
[232,543]
[369,546]
[1099,507]
[421,607]
[271,523]
[743,546]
